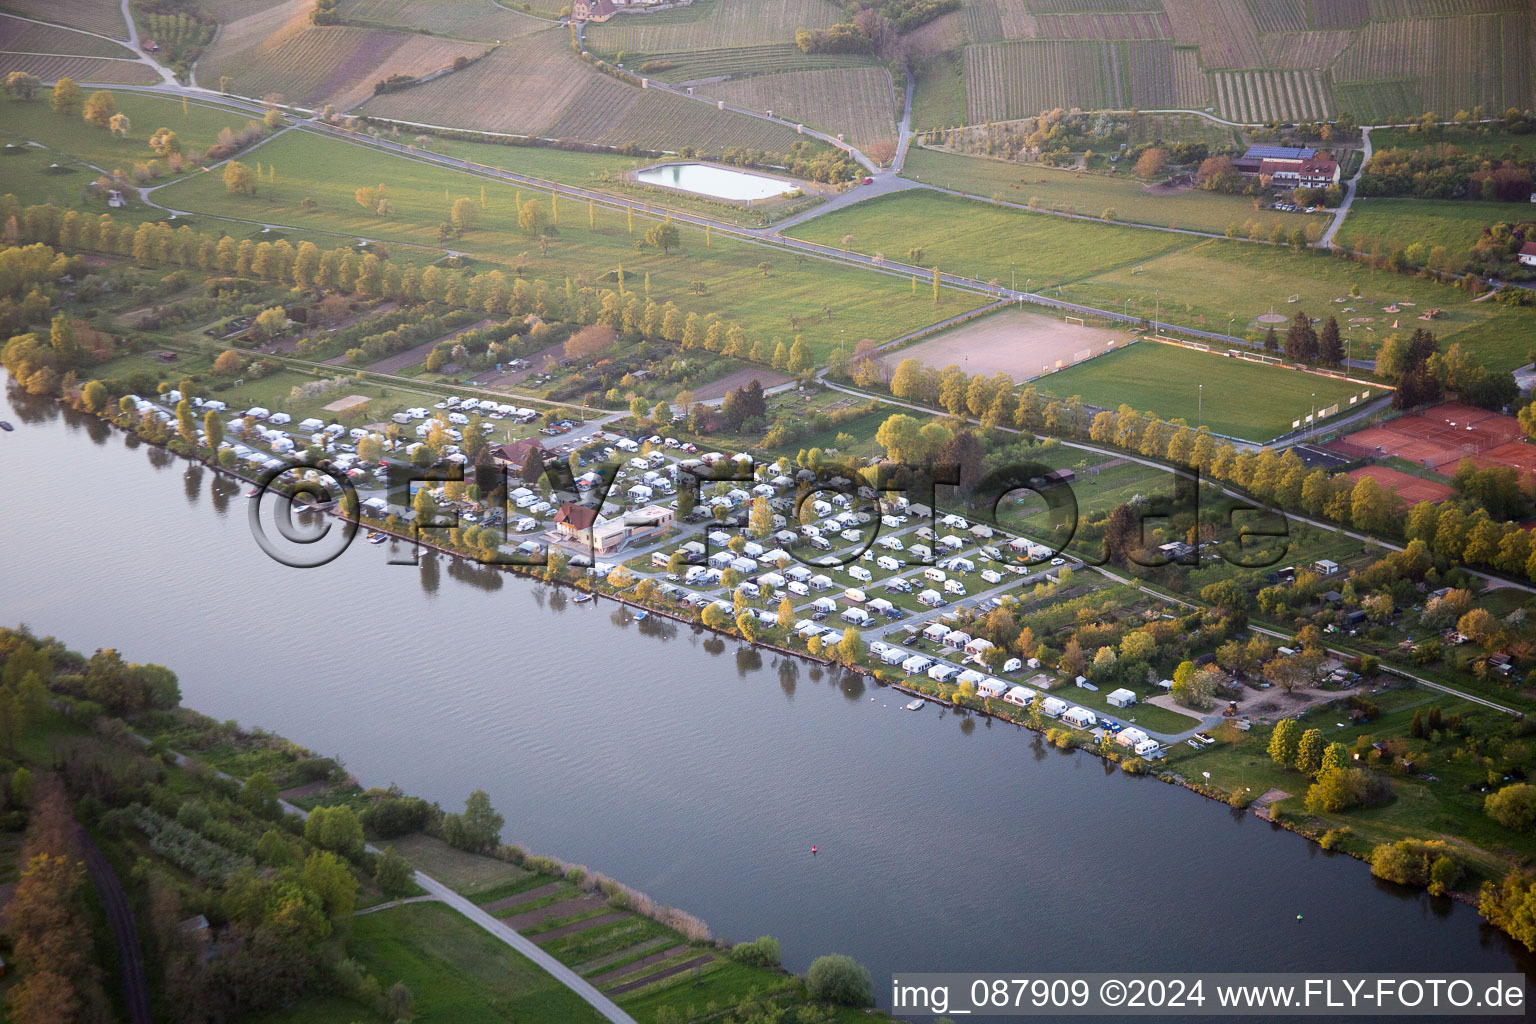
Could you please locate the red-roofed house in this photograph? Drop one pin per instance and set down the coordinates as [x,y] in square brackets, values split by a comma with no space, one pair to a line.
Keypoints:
[575,522]
[525,458]
[593,10]
[1528,254]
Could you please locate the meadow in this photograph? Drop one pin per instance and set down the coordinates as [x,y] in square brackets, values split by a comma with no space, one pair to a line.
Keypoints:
[196,125]
[984,241]
[463,19]
[858,303]
[939,99]
[1242,399]
[1455,224]
[1091,194]
[1207,284]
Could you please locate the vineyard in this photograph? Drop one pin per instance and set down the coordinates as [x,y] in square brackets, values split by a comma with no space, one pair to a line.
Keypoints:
[1075,6]
[1387,10]
[1130,25]
[1340,14]
[1255,97]
[1305,49]
[92,15]
[716,25]
[1224,30]
[857,103]
[30,37]
[1191,85]
[1378,102]
[689,65]
[85,70]
[465,19]
[562,97]
[1454,63]
[1005,81]
[330,64]
[1280,15]
[990,21]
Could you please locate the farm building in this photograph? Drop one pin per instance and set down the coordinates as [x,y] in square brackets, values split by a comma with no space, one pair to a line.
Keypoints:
[1288,166]
[1528,250]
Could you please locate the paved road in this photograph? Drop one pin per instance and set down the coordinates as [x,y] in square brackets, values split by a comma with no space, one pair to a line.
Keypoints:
[125,932]
[1326,242]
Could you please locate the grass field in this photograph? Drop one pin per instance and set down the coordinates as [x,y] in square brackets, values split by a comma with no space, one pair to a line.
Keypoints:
[1090,194]
[29,36]
[197,126]
[939,99]
[1204,285]
[457,971]
[1494,144]
[862,303]
[1451,223]
[1241,399]
[965,236]
[92,15]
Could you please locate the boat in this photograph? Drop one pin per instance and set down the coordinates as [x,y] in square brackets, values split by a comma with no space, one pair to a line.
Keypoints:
[913,705]
[254,492]
[6,426]
[584,598]
[377,538]
[642,615]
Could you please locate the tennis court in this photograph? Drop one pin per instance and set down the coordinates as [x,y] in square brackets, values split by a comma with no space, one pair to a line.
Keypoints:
[1410,488]
[1445,435]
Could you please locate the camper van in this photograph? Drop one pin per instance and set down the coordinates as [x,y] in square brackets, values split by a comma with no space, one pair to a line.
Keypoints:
[954,587]
[991,576]
[934,575]
[854,595]
[799,589]
[860,573]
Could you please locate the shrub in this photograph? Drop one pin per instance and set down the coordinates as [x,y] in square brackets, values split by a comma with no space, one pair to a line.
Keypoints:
[840,979]
[1423,862]
[760,952]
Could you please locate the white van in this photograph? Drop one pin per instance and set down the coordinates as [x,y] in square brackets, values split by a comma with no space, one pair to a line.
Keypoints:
[888,563]
[934,575]
[860,573]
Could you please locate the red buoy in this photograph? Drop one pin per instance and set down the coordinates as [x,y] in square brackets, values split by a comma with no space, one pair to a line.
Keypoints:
[813,851]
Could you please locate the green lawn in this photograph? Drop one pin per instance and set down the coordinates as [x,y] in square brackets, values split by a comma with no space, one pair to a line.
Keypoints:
[1483,139]
[1241,399]
[1092,194]
[862,303]
[1430,222]
[458,972]
[465,873]
[980,240]
[1147,716]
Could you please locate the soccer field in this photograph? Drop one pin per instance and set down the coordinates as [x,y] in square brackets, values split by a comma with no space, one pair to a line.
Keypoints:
[1241,399]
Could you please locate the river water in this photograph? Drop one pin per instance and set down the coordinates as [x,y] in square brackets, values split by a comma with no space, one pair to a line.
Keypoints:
[691,768]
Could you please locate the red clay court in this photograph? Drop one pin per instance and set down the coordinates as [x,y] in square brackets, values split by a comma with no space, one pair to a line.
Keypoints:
[1410,488]
[1443,436]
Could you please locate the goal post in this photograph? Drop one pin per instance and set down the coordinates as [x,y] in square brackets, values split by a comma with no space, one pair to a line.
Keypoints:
[1075,320]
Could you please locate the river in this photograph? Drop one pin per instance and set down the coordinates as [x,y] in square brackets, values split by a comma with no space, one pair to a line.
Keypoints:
[692,768]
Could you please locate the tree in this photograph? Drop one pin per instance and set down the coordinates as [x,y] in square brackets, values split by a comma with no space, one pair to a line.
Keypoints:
[228,363]
[1309,752]
[392,872]
[328,877]
[482,825]
[800,356]
[99,108]
[530,218]
[119,125]
[1284,741]
[66,96]
[1513,806]
[1151,162]
[239,179]
[22,85]
[840,979]
[1300,339]
[1330,347]
[336,829]
[463,213]
[663,236]
[260,795]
